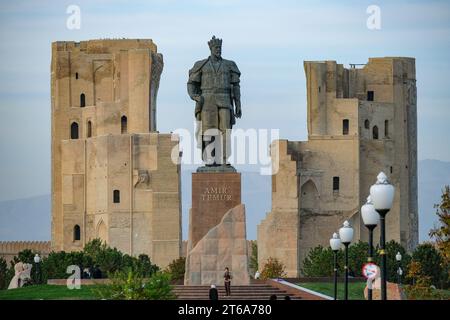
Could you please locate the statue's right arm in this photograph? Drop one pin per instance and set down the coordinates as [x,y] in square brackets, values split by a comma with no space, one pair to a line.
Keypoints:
[195,79]
[194,82]
[193,89]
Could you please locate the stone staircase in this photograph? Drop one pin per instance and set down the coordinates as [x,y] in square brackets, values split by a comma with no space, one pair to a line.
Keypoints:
[245,292]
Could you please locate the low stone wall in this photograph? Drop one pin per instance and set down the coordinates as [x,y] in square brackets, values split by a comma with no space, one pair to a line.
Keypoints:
[9,249]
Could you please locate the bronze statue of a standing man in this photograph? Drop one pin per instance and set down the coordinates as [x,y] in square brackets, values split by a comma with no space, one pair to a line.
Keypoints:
[214,85]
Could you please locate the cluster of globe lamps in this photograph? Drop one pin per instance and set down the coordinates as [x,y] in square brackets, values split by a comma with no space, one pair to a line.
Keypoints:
[373,212]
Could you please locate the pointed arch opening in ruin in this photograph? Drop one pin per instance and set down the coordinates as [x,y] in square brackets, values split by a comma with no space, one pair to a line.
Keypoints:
[309,195]
[74,130]
[76,233]
[116,196]
[102,231]
[89,129]
[82,100]
[123,124]
[375,133]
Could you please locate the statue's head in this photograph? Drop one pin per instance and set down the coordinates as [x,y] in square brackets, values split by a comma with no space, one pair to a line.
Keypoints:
[215,45]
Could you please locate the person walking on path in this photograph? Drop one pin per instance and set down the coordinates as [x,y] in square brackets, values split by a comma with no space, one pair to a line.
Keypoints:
[227,281]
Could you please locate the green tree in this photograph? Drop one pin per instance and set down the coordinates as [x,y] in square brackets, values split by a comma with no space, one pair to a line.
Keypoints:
[431,263]
[108,260]
[55,265]
[176,268]
[253,263]
[3,274]
[357,257]
[391,249]
[441,233]
[94,248]
[145,267]
[95,253]
[420,288]
[26,256]
[141,265]
[320,262]
[273,268]
[129,285]
[158,287]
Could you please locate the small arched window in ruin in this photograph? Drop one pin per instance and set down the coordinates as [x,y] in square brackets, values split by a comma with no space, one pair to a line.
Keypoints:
[74,130]
[386,128]
[82,100]
[76,75]
[76,233]
[116,196]
[345,126]
[89,129]
[335,184]
[375,133]
[370,95]
[123,124]
[367,124]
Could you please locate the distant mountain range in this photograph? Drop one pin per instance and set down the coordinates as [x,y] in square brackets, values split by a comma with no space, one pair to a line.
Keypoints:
[30,218]
[433,176]
[26,219]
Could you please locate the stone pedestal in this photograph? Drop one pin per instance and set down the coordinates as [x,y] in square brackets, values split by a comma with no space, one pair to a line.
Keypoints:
[217,230]
[213,194]
[225,245]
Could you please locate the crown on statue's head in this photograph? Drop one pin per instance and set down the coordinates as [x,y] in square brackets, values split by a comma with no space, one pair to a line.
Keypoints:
[214,42]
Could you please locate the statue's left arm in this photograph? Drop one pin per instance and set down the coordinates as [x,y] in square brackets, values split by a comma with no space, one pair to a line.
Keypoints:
[235,79]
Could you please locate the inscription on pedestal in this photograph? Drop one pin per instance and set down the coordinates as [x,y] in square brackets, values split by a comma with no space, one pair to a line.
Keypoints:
[217,194]
[213,194]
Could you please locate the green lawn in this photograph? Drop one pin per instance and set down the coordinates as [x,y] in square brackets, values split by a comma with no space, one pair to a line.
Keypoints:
[53,292]
[355,289]
[49,292]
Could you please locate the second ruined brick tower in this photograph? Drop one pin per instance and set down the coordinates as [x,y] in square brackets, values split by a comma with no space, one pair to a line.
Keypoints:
[360,121]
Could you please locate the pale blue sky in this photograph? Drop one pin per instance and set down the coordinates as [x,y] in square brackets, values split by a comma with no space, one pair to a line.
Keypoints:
[268,39]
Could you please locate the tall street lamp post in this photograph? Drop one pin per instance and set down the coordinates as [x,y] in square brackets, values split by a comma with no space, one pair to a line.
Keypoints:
[382,195]
[346,235]
[37,262]
[371,219]
[335,244]
[398,257]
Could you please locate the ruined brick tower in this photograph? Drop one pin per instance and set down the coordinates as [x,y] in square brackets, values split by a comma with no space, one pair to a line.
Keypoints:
[360,121]
[112,173]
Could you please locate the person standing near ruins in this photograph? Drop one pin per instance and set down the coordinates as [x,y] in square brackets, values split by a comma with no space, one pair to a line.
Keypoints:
[227,281]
